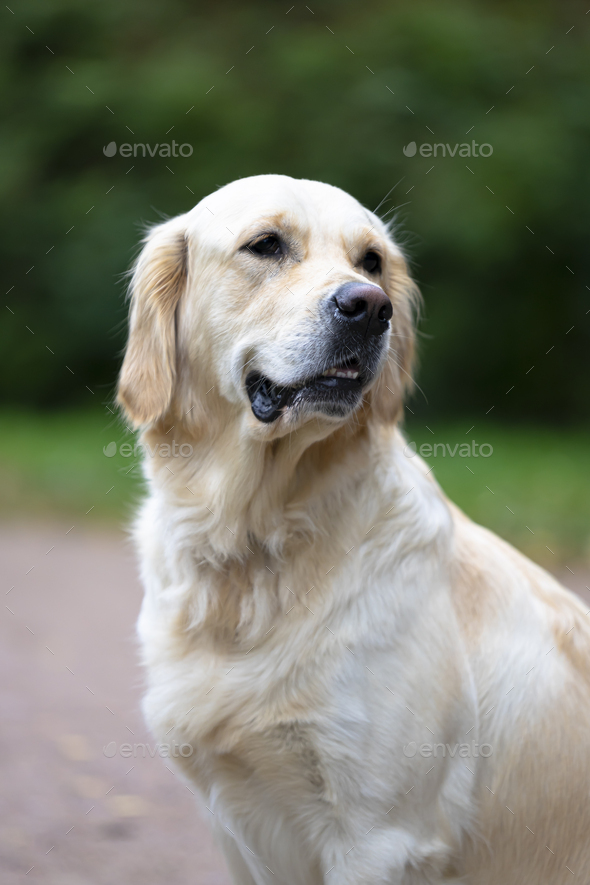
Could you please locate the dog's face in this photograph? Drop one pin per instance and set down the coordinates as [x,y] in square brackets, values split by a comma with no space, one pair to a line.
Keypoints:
[280,299]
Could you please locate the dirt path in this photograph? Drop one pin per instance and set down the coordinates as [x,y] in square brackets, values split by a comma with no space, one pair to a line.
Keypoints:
[71,687]
[72,815]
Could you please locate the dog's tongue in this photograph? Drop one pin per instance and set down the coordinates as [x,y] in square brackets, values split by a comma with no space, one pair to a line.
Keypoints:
[266,399]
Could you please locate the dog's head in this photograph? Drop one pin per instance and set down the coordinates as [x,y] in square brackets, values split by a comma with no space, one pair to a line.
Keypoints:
[275,300]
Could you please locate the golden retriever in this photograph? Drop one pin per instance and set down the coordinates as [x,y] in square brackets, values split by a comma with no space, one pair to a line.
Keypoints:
[373,689]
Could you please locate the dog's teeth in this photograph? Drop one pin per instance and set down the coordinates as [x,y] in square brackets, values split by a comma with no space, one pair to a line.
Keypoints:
[335,372]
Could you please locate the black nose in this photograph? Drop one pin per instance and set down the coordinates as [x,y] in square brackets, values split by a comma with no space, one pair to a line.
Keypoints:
[364,307]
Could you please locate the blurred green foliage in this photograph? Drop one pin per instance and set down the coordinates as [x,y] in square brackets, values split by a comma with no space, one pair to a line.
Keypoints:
[332,94]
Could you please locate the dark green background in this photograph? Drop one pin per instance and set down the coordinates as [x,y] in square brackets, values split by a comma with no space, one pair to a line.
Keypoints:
[303,102]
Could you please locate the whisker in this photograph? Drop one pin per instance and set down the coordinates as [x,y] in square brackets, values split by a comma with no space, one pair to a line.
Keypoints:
[413,380]
[393,208]
[387,194]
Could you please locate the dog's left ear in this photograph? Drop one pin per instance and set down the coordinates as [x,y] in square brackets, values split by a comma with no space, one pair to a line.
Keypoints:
[396,378]
[159,279]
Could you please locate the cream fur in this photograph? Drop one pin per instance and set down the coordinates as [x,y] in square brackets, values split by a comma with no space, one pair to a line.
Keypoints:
[314,604]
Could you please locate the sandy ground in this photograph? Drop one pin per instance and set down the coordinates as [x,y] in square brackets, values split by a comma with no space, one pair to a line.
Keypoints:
[70,687]
[72,815]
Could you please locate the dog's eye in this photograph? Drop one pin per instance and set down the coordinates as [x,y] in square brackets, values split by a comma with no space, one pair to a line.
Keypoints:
[269,245]
[372,262]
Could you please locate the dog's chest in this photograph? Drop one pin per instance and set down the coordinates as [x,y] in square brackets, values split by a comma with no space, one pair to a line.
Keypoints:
[287,762]
[252,727]
[275,734]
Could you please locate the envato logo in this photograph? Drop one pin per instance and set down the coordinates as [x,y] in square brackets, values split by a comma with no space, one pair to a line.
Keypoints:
[431,450]
[434,150]
[471,750]
[164,450]
[162,150]
[137,751]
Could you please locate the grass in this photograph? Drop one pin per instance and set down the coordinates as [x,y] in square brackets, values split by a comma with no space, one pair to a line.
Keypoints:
[533,489]
[53,465]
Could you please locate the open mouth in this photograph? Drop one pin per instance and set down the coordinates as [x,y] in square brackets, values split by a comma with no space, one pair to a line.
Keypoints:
[337,390]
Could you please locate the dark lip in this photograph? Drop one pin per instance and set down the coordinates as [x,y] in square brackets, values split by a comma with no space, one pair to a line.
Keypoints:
[268,400]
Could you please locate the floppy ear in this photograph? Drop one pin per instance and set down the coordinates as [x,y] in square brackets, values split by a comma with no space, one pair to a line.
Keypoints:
[396,377]
[159,278]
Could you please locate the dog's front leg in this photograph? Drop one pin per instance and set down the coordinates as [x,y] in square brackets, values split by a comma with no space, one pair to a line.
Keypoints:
[283,862]
[240,872]
[391,857]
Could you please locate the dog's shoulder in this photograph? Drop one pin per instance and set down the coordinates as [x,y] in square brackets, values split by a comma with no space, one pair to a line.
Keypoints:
[501,595]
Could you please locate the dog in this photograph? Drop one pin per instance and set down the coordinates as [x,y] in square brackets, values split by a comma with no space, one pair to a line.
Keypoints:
[373,688]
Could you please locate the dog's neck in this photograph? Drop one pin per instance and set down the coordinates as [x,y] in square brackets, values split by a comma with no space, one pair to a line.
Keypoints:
[256,527]
[238,492]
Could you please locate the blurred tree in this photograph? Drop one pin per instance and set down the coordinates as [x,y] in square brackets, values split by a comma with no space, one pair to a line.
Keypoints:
[498,243]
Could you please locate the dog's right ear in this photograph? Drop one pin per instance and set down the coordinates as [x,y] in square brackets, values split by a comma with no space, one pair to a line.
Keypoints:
[159,278]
